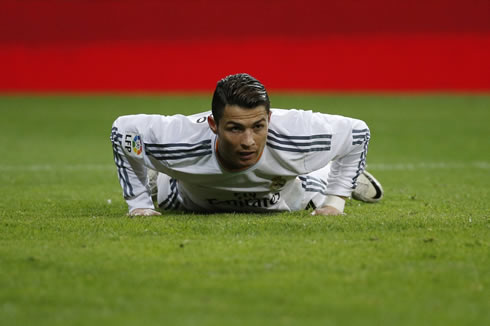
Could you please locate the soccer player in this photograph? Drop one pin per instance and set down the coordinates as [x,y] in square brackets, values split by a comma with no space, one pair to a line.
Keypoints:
[242,157]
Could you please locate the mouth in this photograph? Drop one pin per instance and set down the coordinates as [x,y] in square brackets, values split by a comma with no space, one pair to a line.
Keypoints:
[245,156]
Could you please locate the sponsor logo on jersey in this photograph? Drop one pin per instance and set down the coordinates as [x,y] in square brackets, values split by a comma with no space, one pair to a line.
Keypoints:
[247,199]
[133,144]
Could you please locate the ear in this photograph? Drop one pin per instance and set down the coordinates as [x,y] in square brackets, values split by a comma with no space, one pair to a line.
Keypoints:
[212,124]
[270,113]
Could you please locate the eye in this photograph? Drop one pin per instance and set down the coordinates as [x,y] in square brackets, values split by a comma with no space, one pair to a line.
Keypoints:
[259,127]
[235,129]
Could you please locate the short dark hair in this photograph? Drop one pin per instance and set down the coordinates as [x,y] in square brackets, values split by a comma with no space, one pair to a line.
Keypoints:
[240,89]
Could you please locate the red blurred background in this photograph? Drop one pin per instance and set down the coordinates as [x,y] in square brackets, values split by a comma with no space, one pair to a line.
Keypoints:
[187,45]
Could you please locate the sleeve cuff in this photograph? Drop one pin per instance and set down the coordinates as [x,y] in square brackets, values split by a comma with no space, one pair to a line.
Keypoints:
[143,200]
[335,201]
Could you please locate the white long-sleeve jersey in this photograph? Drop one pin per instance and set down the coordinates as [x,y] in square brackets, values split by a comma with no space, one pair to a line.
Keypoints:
[184,148]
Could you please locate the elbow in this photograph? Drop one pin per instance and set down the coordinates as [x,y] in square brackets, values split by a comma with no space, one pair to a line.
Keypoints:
[361,125]
[360,133]
[116,134]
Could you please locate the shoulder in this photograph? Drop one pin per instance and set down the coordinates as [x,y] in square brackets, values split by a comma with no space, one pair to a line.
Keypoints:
[168,138]
[293,137]
[180,137]
[299,124]
[177,128]
[310,138]
[289,121]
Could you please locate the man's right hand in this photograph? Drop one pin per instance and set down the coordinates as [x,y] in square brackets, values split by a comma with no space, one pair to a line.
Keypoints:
[143,212]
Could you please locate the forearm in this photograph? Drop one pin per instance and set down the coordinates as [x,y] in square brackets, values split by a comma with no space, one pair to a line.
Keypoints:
[345,170]
[131,171]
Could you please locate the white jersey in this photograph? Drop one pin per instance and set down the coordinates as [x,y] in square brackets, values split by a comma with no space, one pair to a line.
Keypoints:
[184,148]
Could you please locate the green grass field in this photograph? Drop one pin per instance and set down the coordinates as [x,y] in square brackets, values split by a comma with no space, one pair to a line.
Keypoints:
[70,256]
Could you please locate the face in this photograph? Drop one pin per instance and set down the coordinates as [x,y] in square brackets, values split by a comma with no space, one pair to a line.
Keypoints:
[242,134]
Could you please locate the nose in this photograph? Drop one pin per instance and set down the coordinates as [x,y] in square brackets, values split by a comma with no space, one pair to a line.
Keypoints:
[248,139]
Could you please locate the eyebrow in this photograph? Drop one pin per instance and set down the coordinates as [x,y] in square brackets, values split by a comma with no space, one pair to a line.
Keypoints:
[239,124]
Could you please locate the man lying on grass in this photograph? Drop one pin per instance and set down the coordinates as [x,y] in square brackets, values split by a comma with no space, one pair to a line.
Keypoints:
[242,157]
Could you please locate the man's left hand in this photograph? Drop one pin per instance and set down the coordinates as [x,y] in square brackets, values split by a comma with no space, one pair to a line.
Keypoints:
[144,212]
[327,210]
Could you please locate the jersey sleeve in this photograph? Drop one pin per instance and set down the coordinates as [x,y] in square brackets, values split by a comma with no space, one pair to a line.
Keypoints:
[158,142]
[127,137]
[307,141]
[349,145]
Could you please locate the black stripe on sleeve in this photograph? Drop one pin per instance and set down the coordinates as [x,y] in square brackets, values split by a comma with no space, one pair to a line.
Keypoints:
[361,136]
[319,136]
[123,173]
[177,151]
[204,142]
[311,181]
[172,197]
[360,139]
[362,162]
[121,170]
[313,189]
[293,143]
[178,157]
[298,150]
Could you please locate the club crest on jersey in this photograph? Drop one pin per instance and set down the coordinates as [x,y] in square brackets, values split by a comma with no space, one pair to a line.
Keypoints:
[133,144]
[277,183]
